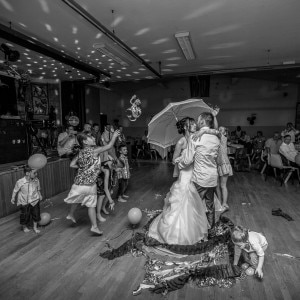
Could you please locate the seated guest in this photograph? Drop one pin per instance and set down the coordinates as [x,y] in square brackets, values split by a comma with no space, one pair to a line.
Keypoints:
[96,133]
[259,142]
[297,143]
[66,142]
[272,144]
[87,130]
[238,133]
[287,149]
[290,130]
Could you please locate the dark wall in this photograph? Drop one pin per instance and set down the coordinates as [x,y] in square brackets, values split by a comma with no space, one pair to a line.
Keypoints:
[73,99]
[8,96]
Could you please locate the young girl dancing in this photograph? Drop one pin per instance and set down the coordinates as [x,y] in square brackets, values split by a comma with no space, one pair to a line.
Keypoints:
[84,189]
[252,245]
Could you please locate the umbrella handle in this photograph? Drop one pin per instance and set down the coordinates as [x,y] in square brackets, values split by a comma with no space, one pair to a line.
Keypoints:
[175,116]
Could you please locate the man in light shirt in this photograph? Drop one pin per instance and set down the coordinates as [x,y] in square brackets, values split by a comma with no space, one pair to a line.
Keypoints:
[287,149]
[66,141]
[203,154]
[273,144]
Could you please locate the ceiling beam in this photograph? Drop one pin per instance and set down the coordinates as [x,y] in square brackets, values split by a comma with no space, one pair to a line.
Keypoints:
[37,46]
[93,21]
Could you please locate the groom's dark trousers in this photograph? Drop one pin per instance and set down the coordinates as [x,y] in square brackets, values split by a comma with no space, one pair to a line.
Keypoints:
[207,194]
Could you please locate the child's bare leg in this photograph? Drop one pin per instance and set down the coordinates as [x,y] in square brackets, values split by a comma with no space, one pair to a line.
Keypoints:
[99,206]
[70,216]
[104,206]
[92,216]
[35,227]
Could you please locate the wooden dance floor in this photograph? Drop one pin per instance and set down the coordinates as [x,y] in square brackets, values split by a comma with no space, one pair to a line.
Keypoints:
[63,261]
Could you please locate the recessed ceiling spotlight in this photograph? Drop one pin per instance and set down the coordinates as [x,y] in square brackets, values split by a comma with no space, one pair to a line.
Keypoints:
[28,65]
[28,57]
[93,51]
[55,39]
[78,48]
[25,53]
[76,41]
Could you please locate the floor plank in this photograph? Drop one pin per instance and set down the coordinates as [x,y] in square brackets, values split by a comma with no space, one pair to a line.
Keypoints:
[63,261]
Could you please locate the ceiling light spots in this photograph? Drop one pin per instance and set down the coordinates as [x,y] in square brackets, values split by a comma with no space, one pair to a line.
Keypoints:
[93,51]
[142,69]
[149,77]
[169,51]
[142,54]
[167,70]
[43,73]
[172,65]
[160,41]
[74,29]
[23,25]
[134,48]
[44,6]
[25,53]
[28,57]
[174,58]
[78,48]
[98,35]
[227,45]
[29,65]
[142,31]
[76,42]
[119,71]
[6,5]
[204,10]
[55,39]
[35,62]
[41,77]
[9,44]
[41,68]
[27,50]
[48,27]
[136,72]
[117,21]
[88,55]
[128,75]
[118,76]
[222,29]
[124,68]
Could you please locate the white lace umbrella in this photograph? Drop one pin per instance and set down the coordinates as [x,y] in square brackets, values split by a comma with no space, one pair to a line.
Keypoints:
[162,130]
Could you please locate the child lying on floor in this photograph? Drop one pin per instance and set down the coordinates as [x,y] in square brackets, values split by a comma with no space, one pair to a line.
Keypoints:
[252,245]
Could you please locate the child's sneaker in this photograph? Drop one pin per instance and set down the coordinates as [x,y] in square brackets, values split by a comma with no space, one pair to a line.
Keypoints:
[125,196]
[121,200]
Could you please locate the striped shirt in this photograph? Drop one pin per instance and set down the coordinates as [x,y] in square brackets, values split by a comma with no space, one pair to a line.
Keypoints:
[203,154]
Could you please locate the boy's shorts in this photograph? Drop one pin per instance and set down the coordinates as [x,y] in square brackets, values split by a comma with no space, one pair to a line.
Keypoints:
[28,211]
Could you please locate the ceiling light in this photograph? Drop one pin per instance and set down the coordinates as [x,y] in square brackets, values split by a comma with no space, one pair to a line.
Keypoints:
[183,39]
[112,53]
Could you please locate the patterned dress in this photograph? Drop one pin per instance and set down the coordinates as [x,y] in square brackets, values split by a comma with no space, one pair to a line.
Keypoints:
[223,163]
[84,189]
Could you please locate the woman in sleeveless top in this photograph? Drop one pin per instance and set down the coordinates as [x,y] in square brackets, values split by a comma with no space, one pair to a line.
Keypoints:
[84,189]
[224,168]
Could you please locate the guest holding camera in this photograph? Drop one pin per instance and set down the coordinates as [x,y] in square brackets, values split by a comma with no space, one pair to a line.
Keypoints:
[66,142]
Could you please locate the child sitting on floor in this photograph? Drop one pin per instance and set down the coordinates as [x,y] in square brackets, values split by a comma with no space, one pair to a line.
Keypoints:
[252,245]
[123,172]
[28,194]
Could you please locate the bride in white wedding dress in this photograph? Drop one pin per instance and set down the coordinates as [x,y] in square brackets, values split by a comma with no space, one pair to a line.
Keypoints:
[183,220]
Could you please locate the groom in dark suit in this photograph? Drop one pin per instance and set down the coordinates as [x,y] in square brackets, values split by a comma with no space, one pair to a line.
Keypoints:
[203,154]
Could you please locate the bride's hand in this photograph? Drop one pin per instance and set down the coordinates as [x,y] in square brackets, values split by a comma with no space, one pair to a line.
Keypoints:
[215,111]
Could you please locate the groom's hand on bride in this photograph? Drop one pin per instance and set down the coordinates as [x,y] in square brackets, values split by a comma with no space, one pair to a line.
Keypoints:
[177,160]
[197,136]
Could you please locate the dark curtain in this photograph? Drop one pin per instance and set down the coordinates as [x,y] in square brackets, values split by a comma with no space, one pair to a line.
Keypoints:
[8,96]
[199,86]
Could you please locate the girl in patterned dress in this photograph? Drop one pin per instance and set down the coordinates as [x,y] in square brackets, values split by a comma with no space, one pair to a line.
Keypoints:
[224,168]
[84,189]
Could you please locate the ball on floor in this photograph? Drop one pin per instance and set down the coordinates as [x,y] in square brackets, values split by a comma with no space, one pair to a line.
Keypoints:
[134,215]
[45,219]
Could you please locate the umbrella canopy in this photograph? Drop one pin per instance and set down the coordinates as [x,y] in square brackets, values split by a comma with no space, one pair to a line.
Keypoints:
[162,130]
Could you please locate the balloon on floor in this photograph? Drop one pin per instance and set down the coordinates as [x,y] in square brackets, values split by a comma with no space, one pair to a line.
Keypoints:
[134,215]
[37,161]
[45,219]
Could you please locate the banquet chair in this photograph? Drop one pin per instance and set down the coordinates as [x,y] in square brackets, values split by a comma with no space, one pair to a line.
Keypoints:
[286,171]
